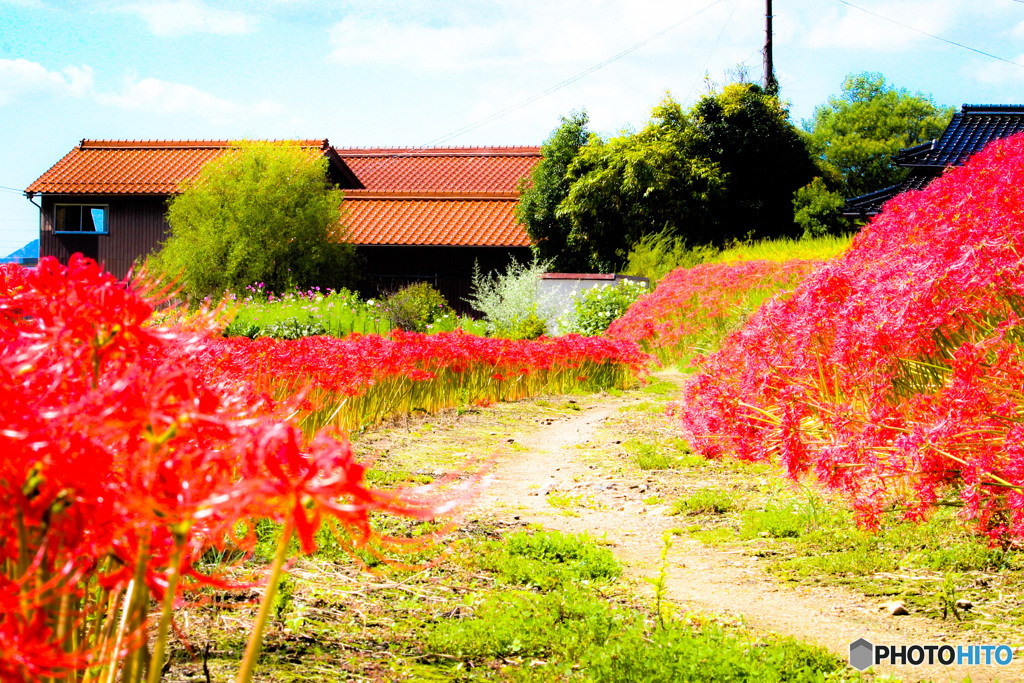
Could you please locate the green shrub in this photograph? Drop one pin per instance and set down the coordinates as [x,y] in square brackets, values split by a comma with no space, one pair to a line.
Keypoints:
[819,211]
[415,307]
[291,328]
[508,300]
[530,327]
[594,309]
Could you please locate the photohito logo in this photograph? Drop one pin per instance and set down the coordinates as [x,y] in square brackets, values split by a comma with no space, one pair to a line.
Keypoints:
[863,654]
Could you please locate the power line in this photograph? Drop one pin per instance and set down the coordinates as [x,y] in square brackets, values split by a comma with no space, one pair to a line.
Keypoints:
[932,35]
[568,81]
[11,189]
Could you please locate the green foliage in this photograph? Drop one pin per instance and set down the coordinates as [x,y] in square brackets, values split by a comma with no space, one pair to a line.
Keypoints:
[595,308]
[819,211]
[748,134]
[637,184]
[649,456]
[706,500]
[508,300]
[707,654]
[562,624]
[335,313]
[416,307]
[547,559]
[656,255]
[291,328]
[262,212]
[856,135]
[547,186]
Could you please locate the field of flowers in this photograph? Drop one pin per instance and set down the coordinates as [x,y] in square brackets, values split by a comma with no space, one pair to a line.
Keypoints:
[894,373]
[693,309]
[131,449]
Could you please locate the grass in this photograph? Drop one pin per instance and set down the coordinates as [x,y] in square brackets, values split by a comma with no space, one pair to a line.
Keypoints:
[502,604]
[338,314]
[784,249]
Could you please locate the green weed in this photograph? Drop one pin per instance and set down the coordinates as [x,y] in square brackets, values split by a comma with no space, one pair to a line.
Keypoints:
[707,500]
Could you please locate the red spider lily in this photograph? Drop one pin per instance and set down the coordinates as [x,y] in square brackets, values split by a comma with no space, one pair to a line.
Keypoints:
[122,464]
[894,372]
[691,309]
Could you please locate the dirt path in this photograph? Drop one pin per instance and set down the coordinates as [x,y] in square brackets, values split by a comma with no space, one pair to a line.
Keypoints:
[551,470]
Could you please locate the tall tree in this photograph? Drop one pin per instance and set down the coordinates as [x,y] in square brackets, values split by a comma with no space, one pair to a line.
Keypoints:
[545,189]
[263,212]
[637,184]
[747,132]
[856,134]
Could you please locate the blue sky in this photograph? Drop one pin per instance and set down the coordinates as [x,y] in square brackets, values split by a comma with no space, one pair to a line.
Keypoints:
[413,72]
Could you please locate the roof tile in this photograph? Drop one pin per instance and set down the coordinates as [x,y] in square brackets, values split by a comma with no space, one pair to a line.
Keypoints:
[391,221]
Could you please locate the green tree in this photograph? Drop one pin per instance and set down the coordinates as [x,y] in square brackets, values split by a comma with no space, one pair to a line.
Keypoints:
[747,132]
[818,210]
[545,189]
[638,184]
[262,212]
[856,135]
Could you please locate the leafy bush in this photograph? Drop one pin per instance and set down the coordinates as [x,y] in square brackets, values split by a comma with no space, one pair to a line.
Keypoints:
[416,307]
[594,309]
[292,328]
[261,212]
[508,300]
[818,210]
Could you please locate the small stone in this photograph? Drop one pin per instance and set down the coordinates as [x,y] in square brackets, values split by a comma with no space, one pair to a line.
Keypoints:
[896,608]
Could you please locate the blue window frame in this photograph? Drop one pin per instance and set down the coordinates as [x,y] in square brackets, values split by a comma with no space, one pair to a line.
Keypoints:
[80,218]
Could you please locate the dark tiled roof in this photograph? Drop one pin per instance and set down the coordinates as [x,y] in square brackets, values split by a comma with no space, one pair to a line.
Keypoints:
[968,132]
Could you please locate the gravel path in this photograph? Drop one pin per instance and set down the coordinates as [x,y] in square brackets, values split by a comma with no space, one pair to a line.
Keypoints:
[551,468]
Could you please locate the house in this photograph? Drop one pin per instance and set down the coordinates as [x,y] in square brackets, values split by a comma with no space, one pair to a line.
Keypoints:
[432,214]
[414,213]
[969,131]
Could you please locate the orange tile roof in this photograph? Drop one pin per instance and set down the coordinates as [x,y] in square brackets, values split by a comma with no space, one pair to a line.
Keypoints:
[448,169]
[424,196]
[449,221]
[134,166]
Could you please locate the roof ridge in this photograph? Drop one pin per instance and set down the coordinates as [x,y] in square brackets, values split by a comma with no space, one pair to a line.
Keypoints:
[976,108]
[87,143]
[411,152]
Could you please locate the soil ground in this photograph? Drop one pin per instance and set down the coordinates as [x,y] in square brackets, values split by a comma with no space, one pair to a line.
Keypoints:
[556,478]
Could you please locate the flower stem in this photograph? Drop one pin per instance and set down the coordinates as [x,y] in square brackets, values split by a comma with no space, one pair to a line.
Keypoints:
[252,650]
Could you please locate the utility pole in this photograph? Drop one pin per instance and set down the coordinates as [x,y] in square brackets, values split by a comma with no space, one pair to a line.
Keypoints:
[771,86]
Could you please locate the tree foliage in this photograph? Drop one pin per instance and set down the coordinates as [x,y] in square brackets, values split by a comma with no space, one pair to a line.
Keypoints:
[263,212]
[547,186]
[856,135]
[638,184]
[747,132]
[725,169]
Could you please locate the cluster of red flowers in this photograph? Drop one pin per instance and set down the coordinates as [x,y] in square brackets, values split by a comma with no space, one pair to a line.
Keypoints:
[363,379]
[692,309]
[121,464]
[895,372]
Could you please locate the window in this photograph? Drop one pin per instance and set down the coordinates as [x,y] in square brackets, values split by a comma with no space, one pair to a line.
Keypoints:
[80,218]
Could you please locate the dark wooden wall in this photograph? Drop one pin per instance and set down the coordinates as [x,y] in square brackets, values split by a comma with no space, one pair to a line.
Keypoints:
[449,269]
[135,227]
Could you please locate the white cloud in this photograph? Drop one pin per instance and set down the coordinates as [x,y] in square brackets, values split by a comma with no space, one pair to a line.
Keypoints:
[998,72]
[529,34]
[852,29]
[446,48]
[151,95]
[182,17]
[20,77]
